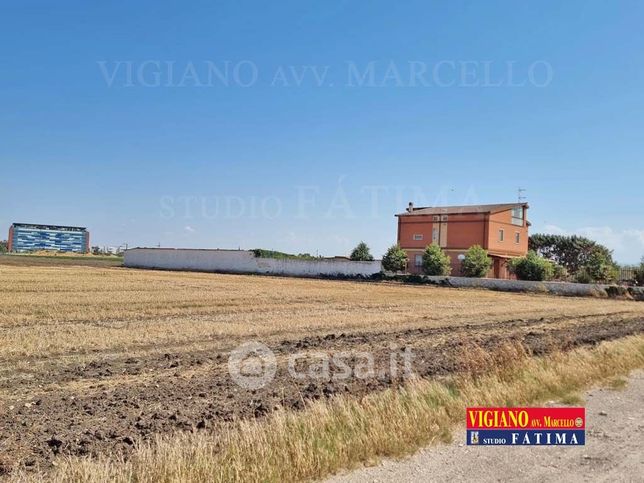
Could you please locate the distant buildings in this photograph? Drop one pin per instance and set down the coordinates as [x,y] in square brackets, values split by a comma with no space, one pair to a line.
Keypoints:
[26,237]
[501,229]
[111,250]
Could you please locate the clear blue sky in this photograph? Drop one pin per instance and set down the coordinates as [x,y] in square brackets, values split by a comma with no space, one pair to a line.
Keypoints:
[112,117]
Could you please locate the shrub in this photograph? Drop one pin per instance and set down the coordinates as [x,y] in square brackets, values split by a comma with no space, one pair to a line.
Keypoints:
[560,272]
[476,263]
[583,276]
[532,267]
[262,253]
[361,253]
[395,260]
[639,273]
[601,268]
[435,261]
[414,278]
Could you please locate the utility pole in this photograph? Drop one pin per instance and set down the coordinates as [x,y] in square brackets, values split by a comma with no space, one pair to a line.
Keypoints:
[520,197]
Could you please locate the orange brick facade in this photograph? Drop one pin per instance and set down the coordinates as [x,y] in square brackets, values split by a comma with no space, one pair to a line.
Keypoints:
[501,229]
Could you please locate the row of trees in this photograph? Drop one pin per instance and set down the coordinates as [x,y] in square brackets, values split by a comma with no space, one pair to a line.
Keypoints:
[435,261]
[559,257]
[476,262]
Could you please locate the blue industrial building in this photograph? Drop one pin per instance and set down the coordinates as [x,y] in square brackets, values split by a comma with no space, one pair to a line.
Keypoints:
[27,237]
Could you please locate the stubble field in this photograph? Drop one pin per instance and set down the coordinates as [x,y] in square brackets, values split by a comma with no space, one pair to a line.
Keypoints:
[95,360]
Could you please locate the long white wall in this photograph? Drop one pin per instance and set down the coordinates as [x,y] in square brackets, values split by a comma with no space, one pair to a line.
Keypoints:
[242,261]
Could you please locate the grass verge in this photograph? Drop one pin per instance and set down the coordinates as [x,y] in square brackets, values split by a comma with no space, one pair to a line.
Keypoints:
[59,259]
[344,432]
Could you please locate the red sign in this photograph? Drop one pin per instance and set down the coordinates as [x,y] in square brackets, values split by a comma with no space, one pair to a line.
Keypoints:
[526,418]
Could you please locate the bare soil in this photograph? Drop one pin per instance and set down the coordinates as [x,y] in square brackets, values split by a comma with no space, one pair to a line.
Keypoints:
[108,404]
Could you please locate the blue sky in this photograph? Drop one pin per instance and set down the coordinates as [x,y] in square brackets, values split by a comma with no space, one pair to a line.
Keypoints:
[305,126]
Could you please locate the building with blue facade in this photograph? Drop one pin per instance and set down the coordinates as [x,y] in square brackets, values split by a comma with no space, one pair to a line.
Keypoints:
[27,237]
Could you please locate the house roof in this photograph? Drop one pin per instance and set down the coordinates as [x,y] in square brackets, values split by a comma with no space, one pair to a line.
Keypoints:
[448,210]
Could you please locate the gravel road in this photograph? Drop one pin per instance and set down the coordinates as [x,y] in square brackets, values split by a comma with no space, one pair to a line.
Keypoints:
[614,451]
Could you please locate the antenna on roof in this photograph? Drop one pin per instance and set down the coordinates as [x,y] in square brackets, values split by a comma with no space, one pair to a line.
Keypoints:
[520,197]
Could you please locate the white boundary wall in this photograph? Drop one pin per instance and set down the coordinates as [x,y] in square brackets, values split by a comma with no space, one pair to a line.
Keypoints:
[243,261]
[555,288]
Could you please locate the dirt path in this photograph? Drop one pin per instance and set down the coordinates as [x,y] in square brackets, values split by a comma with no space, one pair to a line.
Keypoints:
[614,451]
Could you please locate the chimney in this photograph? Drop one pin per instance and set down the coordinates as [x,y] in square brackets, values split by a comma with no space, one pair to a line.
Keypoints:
[410,208]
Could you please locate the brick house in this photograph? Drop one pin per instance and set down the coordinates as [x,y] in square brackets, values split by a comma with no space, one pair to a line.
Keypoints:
[501,229]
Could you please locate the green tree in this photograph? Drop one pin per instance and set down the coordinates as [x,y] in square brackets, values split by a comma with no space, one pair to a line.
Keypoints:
[601,268]
[395,260]
[435,261]
[476,262]
[572,252]
[361,253]
[532,267]
[4,246]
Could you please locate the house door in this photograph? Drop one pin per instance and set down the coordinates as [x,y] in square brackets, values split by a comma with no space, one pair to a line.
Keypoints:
[497,267]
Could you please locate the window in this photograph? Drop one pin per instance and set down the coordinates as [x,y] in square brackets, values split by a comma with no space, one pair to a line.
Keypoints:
[501,235]
[517,237]
[443,217]
[418,237]
[517,215]
[435,235]
[418,260]
[436,218]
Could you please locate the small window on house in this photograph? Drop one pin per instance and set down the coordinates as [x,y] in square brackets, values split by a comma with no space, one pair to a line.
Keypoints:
[418,260]
[517,237]
[436,218]
[443,217]
[418,237]
[435,235]
[501,234]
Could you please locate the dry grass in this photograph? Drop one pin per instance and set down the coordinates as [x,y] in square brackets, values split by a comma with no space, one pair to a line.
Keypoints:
[53,317]
[344,432]
[49,259]
[68,311]
[53,254]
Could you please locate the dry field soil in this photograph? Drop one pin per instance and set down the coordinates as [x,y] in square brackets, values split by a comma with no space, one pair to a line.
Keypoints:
[96,359]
